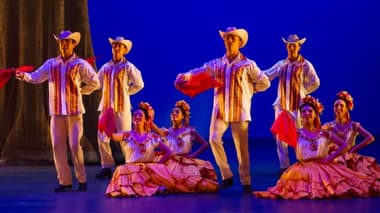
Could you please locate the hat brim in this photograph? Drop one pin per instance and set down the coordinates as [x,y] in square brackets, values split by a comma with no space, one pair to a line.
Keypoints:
[243,35]
[125,42]
[301,41]
[74,36]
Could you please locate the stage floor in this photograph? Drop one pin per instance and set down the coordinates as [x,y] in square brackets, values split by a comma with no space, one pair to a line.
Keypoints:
[30,189]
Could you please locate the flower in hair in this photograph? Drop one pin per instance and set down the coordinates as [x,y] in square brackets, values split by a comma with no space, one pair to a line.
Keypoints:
[346,97]
[313,102]
[185,108]
[148,109]
[183,104]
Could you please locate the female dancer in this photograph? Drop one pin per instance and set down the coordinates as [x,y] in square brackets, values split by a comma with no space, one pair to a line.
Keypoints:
[348,130]
[191,174]
[140,176]
[316,175]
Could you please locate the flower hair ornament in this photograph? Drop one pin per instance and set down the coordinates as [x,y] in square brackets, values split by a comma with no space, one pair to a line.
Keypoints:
[313,102]
[347,98]
[148,109]
[185,109]
[184,106]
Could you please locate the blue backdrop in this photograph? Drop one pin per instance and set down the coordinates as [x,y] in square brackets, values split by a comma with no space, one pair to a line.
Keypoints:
[343,43]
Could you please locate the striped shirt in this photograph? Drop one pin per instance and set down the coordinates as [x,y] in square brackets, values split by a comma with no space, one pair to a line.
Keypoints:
[296,80]
[65,83]
[241,79]
[119,81]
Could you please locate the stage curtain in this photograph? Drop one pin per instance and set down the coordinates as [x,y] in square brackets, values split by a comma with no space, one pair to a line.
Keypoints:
[26,38]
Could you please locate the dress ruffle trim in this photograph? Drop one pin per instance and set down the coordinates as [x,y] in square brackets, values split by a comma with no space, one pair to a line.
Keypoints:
[139,179]
[316,180]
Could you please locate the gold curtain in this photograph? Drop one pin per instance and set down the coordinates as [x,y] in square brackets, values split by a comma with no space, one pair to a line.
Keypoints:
[26,38]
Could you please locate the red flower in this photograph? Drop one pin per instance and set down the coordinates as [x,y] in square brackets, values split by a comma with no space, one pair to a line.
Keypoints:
[313,102]
[346,97]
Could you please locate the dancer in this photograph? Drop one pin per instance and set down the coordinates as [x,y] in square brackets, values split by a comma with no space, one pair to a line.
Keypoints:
[348,130]
[140,176]
[119,79]
[240,78]
[297,78]
[66,73]
[316,175]
[191,174]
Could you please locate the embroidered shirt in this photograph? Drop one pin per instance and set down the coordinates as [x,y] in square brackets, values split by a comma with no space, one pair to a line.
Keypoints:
[65,83]
[241,79]
[180,141]
[315,148]
[296,80]
[141,150]
[119,81]
[349,133]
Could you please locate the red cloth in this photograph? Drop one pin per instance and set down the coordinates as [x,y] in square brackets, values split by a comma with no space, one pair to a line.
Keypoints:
[284,127]
[6,74]
[92,60]
[107,122]
[197,84]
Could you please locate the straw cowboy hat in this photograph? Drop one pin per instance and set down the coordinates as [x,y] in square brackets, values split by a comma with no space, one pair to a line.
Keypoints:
[66,34]
[242,33]
[293,38]
[121,40]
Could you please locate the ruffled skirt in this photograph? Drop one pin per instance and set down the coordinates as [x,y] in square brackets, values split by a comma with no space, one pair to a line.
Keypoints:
[317,180]
[192,175]
[360,163]
[140,179]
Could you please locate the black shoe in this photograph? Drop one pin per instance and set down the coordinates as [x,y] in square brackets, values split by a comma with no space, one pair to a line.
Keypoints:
[82,187]
[227,183]
[62,188]
[247,188]
[105,172]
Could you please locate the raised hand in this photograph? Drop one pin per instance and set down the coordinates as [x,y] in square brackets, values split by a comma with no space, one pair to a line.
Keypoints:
[181,78]
[19,75]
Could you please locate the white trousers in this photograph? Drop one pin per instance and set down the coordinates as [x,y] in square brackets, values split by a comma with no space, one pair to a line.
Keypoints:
[61,129]
[240,137]
[123,123]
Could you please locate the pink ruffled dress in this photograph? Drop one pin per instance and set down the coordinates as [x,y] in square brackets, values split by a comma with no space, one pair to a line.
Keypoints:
[310,178]
[354,161]
[190,174]
[140,176]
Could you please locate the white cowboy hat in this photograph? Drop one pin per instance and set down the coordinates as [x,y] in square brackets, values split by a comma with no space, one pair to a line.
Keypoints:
[121,40]
[242,33]
[66,34]
[293,38]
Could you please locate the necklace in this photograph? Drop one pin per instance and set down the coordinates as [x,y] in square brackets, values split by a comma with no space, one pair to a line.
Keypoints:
[178,135]
[140,141]
[313,139]
[341,130]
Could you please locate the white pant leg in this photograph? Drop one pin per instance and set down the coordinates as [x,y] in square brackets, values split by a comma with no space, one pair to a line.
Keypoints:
[217,129]
[106,158]
[75,127]
[105,151]
[240,135]
[282,152]
[58,134]
[282,147]
[123,123]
